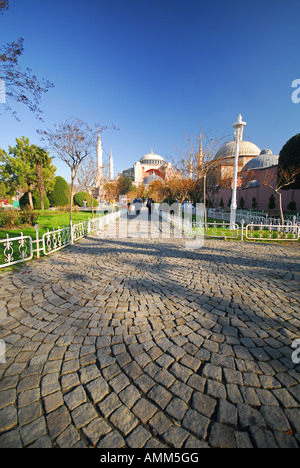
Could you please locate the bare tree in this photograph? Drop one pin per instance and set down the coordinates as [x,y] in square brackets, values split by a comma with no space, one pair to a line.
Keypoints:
[284,177]
[72,142]
[19,85]
[86,177]
[198,165]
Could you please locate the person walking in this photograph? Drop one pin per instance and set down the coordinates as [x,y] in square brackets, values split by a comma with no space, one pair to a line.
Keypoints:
[149,206]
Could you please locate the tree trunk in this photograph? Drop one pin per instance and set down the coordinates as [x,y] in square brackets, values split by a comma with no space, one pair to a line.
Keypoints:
[280,207]
[73,175]
[30,199]
[40,183]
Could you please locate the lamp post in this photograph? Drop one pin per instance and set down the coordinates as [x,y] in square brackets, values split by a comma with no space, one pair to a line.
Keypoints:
[238,136]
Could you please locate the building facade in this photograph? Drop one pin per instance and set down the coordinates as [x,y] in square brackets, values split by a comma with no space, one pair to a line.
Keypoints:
[150,167]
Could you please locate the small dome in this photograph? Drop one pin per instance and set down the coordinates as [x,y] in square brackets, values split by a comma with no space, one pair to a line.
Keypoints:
[246,148]
[151,178]
[265,159]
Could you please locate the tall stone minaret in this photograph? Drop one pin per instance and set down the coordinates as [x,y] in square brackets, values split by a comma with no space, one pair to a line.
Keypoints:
[99,177]
[111,167]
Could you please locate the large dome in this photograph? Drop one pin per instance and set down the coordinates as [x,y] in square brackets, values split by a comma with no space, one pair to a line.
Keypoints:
[265,159]
[152,158]
[246,148]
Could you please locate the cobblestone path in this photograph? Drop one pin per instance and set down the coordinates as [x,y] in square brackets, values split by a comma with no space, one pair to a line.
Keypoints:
[141,343]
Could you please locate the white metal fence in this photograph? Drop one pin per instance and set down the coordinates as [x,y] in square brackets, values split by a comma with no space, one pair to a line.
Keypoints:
[255,217]
[23,248]
[253,231]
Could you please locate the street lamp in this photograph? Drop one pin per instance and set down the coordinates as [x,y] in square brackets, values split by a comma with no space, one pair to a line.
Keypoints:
[238,136]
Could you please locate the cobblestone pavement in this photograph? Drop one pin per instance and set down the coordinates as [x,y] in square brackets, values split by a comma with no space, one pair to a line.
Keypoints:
[141,343]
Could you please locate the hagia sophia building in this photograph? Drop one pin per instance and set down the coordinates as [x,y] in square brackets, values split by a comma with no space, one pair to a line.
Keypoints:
[255,166]
[253,161]
[147,169]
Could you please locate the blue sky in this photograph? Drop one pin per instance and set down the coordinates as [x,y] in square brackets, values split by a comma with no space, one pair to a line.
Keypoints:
[159,70]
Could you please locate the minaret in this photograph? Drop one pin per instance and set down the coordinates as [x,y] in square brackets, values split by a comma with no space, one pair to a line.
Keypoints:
[111,167]
[99,177]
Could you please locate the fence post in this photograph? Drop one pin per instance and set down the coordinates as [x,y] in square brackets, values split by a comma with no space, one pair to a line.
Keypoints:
[243,223]
[71,233]
[37,228]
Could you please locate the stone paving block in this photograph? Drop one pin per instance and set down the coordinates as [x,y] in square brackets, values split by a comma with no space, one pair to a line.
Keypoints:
[83,415]
[249,417]
[175,436]
[112,440]
[160,396]
[124,420]
[222,436]
[109,404]
[144,410]
[8,418]
[172,334]
[204,404]
[196,423]
[159,423]
[33,431]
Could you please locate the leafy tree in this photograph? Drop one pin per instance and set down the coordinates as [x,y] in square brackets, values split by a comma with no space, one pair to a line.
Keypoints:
[289,157]
[40,158]
[112,190]
[124,185]
[60,195]
[26,167]
[20,85]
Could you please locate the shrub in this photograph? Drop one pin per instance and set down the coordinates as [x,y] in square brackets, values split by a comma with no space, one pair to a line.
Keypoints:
[242,203]
[254,203]
[36,199]
[28,217]
[292,206]
[272,203]
[222,203]
[80,197]
[11,218]
[60,195]
[8,218]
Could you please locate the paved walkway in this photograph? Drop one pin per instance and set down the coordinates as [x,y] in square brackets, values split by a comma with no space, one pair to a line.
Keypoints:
[137,342]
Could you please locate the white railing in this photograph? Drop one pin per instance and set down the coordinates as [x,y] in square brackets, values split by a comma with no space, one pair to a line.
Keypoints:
[273,232]
[255,217]
[222,230]
[21,248]
[16,250]
[252,231]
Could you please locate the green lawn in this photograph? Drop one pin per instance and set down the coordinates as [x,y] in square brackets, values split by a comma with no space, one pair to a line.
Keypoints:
[47,220]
